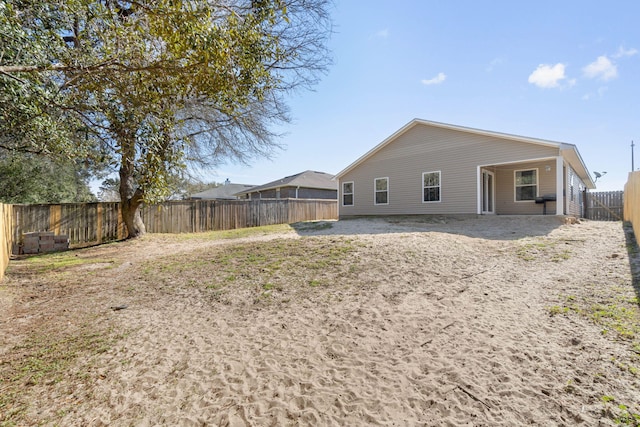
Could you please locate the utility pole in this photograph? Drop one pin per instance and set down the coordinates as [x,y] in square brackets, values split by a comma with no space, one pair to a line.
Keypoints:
[632,166]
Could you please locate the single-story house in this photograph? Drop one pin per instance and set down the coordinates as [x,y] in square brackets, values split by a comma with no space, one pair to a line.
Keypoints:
[304,185]
[436,168]
[227,191]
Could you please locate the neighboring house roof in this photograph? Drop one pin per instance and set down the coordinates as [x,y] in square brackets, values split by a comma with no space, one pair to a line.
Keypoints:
[226,191]
[306,179]
[568,151]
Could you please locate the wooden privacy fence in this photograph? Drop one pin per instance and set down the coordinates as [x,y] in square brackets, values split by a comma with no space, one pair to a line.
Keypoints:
[82,222]
[6,237]
[87,223]
[604,205]
[192,216]
[632,201]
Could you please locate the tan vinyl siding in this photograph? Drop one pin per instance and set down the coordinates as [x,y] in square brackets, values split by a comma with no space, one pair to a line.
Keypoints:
[423,148]
[573,205]
[505,188]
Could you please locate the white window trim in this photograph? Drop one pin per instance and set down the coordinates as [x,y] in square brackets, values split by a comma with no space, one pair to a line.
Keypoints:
[515,198]
[375,191]
[353,200]
[422,187]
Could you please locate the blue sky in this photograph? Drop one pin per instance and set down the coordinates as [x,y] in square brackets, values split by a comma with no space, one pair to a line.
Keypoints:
[566,71]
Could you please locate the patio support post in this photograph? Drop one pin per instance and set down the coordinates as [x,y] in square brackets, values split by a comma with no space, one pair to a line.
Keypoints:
[559,186]
[479,191]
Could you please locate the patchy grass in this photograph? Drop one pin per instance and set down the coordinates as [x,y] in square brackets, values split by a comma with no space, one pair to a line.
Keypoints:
[619,412]
[62,260]
[555,310]
[612,305]
[615,313]
[268,268]
[562,255]
[313,225]
[624,320]
[44,358]
[543,250]
[532,251]
[235,234]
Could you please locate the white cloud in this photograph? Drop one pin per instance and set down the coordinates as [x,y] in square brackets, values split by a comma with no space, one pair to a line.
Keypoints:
[601,91]
[494,63]
[548,76]
[441,77]
[382,34]
[602,68]
[624,52]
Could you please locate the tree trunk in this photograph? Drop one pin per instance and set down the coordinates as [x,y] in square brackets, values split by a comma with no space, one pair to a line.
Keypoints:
[132,218]
[131,198]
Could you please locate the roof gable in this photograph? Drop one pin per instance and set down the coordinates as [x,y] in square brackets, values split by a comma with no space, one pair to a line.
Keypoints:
[568,151]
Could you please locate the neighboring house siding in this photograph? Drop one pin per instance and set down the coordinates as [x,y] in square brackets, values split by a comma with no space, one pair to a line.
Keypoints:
[290,193]
[316,193]
[455,154]
[266,194]
[287,193]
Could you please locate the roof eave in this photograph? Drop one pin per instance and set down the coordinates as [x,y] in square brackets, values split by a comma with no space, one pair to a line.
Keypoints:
[570,152]
[415,122]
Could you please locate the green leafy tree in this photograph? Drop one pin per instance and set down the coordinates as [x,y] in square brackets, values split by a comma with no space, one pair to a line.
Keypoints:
[27,178]
[109,190]
[152,86]
[180,188]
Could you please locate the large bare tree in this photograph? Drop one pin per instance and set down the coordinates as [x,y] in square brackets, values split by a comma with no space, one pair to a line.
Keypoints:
[151,86]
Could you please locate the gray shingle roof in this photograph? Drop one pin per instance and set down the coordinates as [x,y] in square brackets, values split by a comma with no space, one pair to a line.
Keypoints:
[226,191]
[306,179]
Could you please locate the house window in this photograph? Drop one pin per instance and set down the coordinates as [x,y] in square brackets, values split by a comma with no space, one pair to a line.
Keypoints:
[382,191]
[347,194]
[526,184]
[431,187]
[571,184]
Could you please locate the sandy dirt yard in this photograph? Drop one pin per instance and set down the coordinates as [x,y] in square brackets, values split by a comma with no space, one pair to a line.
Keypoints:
[495,321]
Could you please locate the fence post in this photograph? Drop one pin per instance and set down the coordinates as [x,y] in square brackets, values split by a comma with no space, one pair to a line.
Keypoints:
[99,222]
[55,215]
[196,226]
[120,222]
[6,236]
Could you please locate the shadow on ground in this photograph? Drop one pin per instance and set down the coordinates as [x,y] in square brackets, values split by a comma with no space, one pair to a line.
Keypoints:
[633,252]
[503,227]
